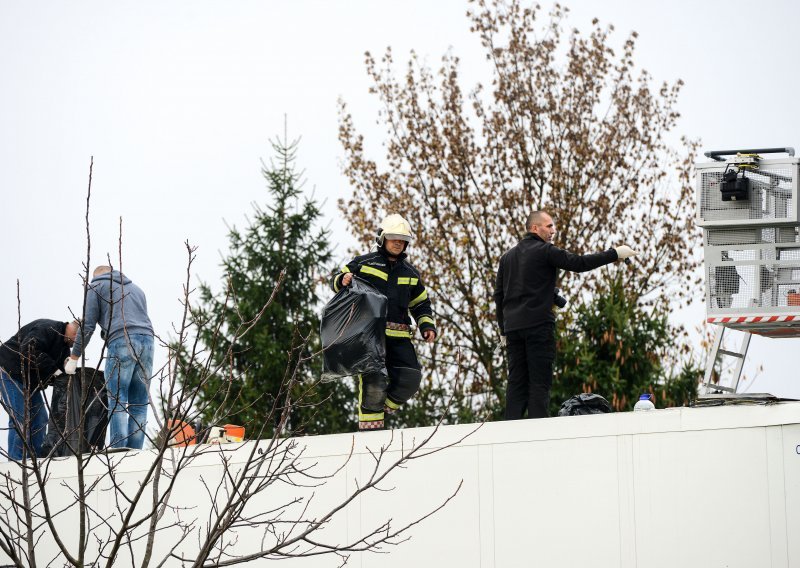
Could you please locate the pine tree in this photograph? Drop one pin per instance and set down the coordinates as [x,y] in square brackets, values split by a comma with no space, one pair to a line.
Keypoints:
[616,347]
[283,236]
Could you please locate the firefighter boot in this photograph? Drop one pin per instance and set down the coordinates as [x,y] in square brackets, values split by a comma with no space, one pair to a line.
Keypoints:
[371,397]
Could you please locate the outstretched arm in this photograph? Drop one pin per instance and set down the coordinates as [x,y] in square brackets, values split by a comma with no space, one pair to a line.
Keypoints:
[90,320]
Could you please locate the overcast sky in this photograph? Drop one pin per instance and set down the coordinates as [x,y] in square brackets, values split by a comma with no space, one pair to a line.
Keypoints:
[177,102]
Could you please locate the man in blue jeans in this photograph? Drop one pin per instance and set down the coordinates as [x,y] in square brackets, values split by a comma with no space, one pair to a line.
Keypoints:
[28,361]
[119,307]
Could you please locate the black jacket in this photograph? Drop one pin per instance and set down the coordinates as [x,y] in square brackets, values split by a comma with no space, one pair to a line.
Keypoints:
[399,281]
[37,351]
[526,280]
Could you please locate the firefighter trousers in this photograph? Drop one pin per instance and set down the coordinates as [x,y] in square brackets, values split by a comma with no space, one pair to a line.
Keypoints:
[389,390]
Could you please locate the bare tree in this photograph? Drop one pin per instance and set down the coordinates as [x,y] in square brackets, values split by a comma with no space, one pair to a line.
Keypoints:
[563,123]
[104,508]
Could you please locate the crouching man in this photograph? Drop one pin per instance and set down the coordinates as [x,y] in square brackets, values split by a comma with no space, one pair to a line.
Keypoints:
[28,361]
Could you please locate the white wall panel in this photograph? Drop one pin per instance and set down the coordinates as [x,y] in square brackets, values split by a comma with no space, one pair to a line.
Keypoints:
[711,487]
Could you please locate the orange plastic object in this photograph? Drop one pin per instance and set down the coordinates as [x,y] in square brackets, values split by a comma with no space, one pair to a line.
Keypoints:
[793,299]
[234,433]
[182,433]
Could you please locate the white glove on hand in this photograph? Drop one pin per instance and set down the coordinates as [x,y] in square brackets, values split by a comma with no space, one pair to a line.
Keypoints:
[624,252]
[70,365]
[57,373]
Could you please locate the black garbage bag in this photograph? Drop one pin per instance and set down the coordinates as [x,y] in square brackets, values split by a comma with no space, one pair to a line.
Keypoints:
[585,403]
[64,438]
[353,331]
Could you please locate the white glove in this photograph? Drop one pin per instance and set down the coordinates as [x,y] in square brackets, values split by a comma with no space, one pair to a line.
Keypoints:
[70,365]
[57,373]
[624,252]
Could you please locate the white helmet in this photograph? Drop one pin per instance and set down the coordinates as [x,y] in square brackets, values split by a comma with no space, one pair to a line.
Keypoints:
[394,227]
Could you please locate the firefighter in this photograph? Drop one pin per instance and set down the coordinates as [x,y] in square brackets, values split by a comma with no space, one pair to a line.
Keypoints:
[388,270]
[727,282]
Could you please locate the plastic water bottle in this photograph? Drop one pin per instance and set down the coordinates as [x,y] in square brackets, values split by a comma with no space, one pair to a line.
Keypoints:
[645,402]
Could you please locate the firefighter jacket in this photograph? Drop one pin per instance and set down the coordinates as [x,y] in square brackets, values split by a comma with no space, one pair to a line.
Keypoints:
[526,280]
[402,285]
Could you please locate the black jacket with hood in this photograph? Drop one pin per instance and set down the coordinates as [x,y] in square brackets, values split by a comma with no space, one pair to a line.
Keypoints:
[36,352]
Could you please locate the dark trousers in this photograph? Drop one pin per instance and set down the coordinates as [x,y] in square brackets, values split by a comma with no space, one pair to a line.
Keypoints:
[396,387]
[531,352]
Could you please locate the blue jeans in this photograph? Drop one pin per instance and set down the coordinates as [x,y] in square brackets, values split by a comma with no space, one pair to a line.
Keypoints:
[13,395]
[128,371]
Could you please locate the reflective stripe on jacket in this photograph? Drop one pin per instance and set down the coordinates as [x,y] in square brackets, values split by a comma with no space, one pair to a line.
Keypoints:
[400,282]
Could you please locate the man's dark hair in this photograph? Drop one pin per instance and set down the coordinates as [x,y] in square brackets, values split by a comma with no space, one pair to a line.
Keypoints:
[535,218]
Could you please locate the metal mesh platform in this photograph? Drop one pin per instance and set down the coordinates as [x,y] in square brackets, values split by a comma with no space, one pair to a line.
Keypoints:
[753,280]
[748,208]
[772,195]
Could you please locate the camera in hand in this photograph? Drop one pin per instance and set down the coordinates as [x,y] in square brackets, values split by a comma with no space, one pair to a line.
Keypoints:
[559,300]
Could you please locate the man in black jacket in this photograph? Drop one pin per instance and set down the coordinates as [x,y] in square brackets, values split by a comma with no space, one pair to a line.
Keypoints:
[28,360]
[524,296]
[393,276]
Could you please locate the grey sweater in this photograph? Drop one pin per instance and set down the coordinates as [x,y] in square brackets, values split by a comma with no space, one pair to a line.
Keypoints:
[115,303]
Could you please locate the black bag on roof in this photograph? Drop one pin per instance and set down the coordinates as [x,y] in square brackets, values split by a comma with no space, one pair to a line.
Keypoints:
[585,403]
[353,331]
[64,437]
